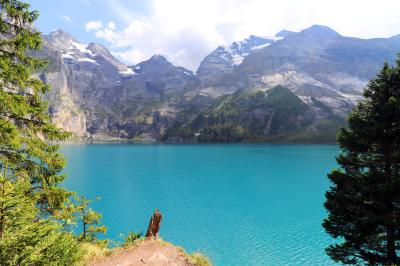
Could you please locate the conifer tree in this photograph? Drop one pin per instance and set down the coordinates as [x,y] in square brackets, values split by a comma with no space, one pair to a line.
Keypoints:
[25,237]
[90,219]
[25,126]
[363,202]
[29,165]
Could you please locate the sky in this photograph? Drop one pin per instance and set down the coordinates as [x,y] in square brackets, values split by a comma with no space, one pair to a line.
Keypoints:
[185,31]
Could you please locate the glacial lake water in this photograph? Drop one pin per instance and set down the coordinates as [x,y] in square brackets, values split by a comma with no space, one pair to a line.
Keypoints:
[239,204]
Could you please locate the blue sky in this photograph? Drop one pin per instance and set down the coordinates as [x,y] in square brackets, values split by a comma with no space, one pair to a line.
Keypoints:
[72,15]
[187,30]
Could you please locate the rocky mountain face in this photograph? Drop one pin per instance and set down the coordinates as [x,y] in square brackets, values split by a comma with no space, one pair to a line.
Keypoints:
[224,59]
[96,96]
[295,86]
[79,75]
[316,62]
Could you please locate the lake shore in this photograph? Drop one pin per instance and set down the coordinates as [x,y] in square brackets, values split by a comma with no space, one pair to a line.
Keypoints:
[155,141]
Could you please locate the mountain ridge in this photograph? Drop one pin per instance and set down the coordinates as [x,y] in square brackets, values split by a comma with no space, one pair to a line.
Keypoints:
[98,97]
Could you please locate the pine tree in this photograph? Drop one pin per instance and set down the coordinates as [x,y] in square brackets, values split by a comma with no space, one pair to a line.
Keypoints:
[24,123]
[29,165]
[363,202]
[90,219]
[25,237]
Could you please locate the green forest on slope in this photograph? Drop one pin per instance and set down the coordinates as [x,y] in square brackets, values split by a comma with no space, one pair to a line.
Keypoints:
[276,115]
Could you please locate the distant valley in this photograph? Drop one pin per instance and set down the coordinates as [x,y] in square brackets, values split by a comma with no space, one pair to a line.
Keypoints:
[293,87]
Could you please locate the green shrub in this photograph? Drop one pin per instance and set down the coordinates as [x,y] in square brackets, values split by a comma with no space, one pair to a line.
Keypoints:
[199,259]
[131,238]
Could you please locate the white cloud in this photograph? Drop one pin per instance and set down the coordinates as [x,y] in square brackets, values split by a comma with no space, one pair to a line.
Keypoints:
[66,18]
[111,25]
[93,25]
[187,30]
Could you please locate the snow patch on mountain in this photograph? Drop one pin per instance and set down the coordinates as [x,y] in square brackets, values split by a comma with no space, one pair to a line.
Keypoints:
[86,59]
[277,38]
[67,55]
[237,59]
[186,72]
[79,52]
[260,46]
[128,72]
[82,48]
[237,51]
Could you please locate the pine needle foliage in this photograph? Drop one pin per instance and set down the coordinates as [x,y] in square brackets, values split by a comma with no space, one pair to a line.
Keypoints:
[25,127]
[363,202]
[30,166]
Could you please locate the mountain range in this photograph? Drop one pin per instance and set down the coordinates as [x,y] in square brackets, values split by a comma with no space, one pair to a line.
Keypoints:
[293,87]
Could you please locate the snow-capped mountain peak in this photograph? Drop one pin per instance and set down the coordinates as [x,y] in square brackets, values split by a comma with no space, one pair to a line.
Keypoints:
[226,57]
[81,47]
[237,51]
[79,52]
[70,48]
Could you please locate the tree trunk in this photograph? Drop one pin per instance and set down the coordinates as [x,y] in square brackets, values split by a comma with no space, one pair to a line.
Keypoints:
[2,215]
[391,245]
[154,225]
[84,225]
[2,222]
[390,229]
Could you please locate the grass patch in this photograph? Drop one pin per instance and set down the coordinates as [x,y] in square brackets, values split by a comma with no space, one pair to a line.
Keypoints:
[199,259]
[94,251]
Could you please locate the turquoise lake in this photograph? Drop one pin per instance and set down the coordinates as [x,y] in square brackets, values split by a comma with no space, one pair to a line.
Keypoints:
[240,204]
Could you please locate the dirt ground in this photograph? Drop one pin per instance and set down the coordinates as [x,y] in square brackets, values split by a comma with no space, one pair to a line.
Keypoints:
[149,252]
